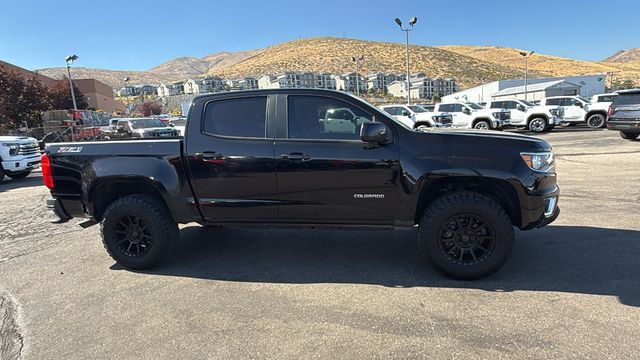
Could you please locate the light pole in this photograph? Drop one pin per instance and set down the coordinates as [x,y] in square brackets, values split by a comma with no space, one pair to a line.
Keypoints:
[126,91]
[70,59]
[412,22]
[526,56]
[355,60]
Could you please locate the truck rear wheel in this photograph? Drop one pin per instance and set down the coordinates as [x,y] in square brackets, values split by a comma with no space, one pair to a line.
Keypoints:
[466,236]
[596,121]
[138,231]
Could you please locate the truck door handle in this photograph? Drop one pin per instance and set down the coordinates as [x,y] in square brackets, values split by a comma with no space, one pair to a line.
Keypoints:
[207,155]
[295,156]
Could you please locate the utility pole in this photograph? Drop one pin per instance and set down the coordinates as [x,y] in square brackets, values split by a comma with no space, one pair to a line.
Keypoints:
[355,60]
[126,91]
[526,56]
[412,22]
[69,60]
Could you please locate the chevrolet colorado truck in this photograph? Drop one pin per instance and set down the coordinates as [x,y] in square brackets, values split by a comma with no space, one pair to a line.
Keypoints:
[19,155]
[263,157]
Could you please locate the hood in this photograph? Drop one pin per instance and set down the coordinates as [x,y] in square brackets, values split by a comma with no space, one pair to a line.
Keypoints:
[17,139]
[494,138]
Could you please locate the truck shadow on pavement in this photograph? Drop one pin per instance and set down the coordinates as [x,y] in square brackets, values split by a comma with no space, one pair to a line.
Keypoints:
[12,184]
[573,259]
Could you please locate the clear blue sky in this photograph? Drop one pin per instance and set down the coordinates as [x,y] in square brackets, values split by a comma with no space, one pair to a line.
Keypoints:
[137,35]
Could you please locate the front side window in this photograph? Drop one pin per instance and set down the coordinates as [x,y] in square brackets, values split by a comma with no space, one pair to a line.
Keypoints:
[315,117]
[444,108]
[245,117]
[456,108]
[497,105]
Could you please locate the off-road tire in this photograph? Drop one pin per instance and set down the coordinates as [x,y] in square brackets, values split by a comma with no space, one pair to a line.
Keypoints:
[437,216]
[163,228]
[19,175]
[629,136]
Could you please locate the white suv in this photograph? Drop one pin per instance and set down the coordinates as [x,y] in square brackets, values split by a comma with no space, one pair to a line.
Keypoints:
[414,116]
[19,155]
[578,110]
[526,114]
[473,116]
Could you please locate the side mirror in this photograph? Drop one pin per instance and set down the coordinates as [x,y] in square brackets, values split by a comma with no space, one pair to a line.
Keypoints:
[374,132]
[520,107]
[120,129]
[466,110]
[579,104]
[405,113]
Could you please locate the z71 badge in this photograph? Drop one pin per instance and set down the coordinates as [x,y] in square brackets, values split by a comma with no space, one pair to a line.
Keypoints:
[70,149]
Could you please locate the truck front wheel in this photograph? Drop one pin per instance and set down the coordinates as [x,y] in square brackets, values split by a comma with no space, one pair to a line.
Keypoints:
[538,125]
[138,231]
[466,235]
[629,136]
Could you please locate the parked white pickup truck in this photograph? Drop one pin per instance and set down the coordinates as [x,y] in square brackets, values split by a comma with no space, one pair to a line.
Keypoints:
[19,155]
[415,116]
[528,115]
[578,110]
[473,116]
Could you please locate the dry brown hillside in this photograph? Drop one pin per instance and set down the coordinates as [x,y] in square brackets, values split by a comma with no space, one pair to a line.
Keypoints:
[552,65]
[625,56]
[334,55]
[178,69]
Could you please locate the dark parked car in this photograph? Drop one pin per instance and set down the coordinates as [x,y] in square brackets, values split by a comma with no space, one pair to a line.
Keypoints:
[264,157]
[624,114]
[142,128]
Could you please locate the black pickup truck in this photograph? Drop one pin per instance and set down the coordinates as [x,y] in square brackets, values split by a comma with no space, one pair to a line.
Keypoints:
[274,157]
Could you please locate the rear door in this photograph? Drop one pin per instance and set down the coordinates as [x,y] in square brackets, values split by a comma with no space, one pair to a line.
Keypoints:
[230,155]
[330,175]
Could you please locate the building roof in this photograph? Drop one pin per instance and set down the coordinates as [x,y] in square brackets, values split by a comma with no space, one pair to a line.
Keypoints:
[532,87]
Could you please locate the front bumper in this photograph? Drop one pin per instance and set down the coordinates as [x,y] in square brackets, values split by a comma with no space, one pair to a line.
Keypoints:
[540,209]
[22,164]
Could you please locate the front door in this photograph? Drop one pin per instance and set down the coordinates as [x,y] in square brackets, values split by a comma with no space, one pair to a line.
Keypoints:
[231,160]
[327,174]
[572,111]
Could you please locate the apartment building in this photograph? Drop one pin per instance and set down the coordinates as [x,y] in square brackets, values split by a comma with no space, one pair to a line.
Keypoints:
[171,89]
[203,86]
[423,87]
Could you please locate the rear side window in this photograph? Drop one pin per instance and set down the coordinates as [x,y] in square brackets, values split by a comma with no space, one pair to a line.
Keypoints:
[627,99]
[244,117]
[606,98]
[392,110]
[552,102]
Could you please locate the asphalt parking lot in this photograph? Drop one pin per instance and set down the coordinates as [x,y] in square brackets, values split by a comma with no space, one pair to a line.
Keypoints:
[570,290]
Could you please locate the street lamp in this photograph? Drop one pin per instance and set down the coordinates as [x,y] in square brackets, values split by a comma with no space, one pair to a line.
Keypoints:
[70,59]
[126,91]
[526,56]
[412,22]
[355,60]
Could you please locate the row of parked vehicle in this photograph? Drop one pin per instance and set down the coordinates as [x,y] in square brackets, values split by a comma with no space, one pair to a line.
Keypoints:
[512,112]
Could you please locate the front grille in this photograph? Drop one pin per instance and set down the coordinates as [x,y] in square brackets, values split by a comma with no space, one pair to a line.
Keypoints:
[28,149]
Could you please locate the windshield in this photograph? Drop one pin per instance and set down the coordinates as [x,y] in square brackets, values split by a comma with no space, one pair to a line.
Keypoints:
[583,99]
[474,106]
[417,109]
[146,123]
[528,103]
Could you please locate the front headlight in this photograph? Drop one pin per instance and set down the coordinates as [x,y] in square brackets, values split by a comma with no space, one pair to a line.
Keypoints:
[543,162]
[13,149]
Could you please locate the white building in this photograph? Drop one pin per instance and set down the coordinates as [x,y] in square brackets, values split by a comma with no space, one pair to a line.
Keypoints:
[325,81]
[347,82]
[589,85]
[203,86]
[539,91]
[171,89]
[423,87]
